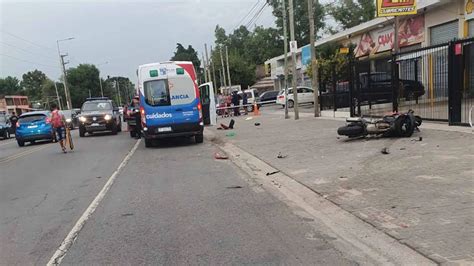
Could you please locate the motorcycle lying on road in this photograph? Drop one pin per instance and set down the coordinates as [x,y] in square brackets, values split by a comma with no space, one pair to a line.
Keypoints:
[394,125]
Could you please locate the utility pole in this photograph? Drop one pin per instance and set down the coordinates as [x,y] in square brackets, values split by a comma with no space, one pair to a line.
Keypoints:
[223,67]
[117,86]
[213,72]
[293,59]
[228,70]
[66,89]
[285,40]
[101,89]
[57,95]
[62,63]
[208,64]
[205,67]
[314,64]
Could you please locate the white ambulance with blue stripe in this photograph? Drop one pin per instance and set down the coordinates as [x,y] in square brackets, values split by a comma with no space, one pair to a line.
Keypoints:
[169,101]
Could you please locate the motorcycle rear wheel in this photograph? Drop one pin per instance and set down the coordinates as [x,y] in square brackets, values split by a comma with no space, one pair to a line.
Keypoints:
[351,131]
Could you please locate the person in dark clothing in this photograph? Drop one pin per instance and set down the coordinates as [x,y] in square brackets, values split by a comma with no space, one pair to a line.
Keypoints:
[136,114]
[236,103]
[245,102]
[13,120]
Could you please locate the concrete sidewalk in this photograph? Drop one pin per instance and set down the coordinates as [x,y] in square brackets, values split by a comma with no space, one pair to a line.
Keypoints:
[421,193]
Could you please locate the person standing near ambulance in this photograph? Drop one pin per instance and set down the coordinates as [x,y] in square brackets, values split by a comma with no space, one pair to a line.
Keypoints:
[58,122]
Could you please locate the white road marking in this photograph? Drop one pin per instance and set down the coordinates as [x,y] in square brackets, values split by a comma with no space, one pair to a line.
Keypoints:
[73,234]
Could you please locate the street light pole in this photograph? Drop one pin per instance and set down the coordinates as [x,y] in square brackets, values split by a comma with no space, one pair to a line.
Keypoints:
[63,67]
[57,95]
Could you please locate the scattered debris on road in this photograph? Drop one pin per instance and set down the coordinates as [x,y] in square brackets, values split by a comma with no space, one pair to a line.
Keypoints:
[127,214]
[402,149]
[98,177]
[272,173]
[280,156]
[230,134]
[248,118]
[230,126]
[220,156]
[232,187]
[385,151]
[257,124]
[419,139]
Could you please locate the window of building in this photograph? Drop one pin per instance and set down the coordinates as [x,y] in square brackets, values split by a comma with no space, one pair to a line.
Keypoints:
[470,27]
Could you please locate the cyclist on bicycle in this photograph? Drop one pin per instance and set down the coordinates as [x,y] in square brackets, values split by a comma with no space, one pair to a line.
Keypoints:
[58,122]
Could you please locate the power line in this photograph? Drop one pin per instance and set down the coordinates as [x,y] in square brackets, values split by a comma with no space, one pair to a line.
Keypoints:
[259,12]
[250,11]
[27,51]
[30,42]
[259,16]
[19,59]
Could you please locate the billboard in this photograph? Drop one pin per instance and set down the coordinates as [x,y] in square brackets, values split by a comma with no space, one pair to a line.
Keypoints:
[469,10]
[389,8]
[375,42]
[411,31]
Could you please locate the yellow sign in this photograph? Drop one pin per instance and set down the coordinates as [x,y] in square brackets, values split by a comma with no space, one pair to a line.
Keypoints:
[344,50]
[389,8]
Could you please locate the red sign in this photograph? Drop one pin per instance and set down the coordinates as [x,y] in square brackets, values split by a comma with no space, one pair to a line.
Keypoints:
[397,3]
[458,49]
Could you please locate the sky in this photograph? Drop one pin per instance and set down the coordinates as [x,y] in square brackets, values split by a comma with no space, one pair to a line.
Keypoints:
[116,36]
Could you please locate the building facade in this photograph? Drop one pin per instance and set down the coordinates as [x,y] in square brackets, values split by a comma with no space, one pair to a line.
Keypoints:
[437,21]
[14,103]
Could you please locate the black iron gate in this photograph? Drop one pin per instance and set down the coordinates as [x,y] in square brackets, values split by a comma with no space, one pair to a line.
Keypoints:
[437,82]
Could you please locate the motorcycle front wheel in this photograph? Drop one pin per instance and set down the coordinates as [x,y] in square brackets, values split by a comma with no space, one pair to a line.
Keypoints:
[405,127]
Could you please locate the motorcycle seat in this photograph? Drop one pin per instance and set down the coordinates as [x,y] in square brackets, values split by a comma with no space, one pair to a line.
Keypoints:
[353,119]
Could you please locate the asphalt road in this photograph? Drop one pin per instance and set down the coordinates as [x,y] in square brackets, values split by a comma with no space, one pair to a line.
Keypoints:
[173,204]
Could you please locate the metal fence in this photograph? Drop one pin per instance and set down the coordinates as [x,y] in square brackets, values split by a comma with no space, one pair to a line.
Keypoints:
[437,82]
[423,81]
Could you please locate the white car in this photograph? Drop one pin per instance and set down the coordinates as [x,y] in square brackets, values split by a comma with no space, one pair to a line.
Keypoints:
[305,95]
[252,95]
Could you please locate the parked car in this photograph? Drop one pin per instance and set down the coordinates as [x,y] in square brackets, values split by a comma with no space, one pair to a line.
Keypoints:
[252,96]
[6,129]
[34,126]
[99,114]
[379,87]
[268,97]
[71,118]
[305,95]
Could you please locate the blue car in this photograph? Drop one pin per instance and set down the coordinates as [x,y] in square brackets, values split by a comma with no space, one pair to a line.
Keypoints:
[33,126]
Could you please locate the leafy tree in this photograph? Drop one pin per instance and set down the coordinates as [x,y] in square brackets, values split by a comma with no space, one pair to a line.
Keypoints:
[350,13]
[300,10]
[10,86]
[82,80]
[32,82]
[246,51]
[188,54]
[49,93]
[125,86]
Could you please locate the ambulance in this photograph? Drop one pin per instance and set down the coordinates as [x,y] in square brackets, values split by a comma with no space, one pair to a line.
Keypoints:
[169,101]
